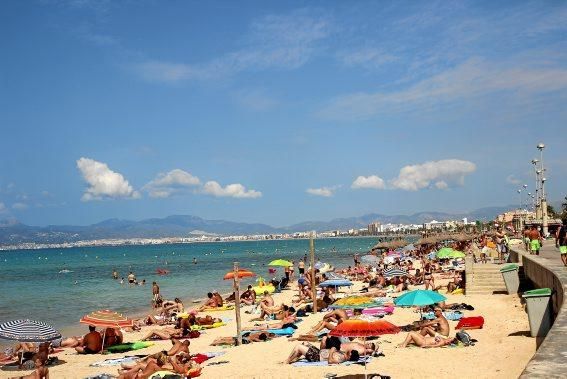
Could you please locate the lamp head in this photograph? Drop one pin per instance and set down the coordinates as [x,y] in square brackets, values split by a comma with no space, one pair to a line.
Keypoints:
[543,180]
[519,191]
[538,172]
[541,146]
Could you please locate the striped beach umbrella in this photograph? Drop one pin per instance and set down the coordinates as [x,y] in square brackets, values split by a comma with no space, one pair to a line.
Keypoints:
[107,319]
[391,272]
[28,331]
[336,283]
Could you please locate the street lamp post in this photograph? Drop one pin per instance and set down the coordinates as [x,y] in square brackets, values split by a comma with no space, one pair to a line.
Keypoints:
[536,199]
[543,201]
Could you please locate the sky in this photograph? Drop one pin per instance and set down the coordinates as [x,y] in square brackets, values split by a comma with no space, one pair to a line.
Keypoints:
[277,112]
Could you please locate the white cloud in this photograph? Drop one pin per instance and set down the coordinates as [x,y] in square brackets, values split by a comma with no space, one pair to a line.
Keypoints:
[103,183]
[441,173]
[174,181]
[366,57]
[371,181]
[323,191]
[232,190]
[279,42]
[513,180]
[472,79]
[19,206]
[255,99]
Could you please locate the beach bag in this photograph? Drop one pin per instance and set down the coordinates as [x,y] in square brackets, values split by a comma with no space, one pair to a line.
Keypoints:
[465,338]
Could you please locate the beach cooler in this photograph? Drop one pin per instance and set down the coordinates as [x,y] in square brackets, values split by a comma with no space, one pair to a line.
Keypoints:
[511,278]
[538,303]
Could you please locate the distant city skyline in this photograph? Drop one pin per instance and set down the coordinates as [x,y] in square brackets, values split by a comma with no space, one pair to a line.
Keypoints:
[276,113]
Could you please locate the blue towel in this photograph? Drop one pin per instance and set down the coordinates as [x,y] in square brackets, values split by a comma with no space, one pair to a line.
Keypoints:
[305,363]
[282,332]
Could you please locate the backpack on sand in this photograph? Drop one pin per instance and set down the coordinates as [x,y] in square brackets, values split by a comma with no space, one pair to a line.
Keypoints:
[465,338]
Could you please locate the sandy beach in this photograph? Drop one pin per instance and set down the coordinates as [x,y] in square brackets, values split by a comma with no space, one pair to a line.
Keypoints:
[502,350]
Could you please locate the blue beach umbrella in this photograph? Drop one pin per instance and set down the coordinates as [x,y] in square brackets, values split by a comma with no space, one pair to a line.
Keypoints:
[419,298]
[336,283]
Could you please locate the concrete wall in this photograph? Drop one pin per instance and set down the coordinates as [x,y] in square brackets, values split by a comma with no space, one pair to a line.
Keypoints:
[550,360]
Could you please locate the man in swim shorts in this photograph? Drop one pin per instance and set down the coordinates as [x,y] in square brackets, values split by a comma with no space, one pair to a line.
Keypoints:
[535,238]
[92,342]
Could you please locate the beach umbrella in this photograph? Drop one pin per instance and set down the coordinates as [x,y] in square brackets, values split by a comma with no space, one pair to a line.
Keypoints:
[419,298]
[409,247]
[241,274]
[391,272]
[336,283]
[280,262]
[370,259]
[28,331]
[394,254]
[106,319]
[236,275]
[456,254]
[444,253]
[363,329]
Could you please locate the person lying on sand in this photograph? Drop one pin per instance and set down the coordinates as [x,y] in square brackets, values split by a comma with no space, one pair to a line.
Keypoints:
[40,372]
[211,302]
[179,348]
[313,354]
[207,320]
[328,342]
[331,320]
[439,325]
[288,321]
[426,341]
[143,370]
[217,296]
[246,339]
[183,329]
[92,342]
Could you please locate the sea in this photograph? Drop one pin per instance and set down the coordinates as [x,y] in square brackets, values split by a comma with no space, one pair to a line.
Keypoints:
[59,286]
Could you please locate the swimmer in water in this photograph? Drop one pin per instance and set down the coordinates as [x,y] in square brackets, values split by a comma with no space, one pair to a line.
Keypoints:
[194,261]
[122,281]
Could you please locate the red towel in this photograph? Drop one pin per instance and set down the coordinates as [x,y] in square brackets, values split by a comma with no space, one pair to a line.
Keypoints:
[476,322]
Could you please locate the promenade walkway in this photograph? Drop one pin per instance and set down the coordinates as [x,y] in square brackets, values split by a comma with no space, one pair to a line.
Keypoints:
[547,270]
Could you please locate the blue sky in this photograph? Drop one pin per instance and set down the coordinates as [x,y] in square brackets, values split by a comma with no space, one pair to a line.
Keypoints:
[276,112]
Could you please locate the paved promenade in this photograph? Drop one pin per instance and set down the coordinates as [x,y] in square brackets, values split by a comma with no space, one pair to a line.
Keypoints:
[547,270]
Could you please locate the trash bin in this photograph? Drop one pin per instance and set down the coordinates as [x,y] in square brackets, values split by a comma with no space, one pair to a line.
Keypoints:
[538,303]
[511,278]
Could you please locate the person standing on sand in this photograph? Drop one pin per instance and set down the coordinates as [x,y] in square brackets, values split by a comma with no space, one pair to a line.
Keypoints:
[155,294]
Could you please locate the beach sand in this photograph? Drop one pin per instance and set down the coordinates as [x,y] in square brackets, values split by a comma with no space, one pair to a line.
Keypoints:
[502,351]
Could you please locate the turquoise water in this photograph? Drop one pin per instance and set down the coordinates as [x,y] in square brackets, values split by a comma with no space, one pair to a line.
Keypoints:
[33,287]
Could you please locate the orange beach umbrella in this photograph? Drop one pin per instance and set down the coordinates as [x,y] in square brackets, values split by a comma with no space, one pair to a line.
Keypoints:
[363,328]
[241,274]
[107,319]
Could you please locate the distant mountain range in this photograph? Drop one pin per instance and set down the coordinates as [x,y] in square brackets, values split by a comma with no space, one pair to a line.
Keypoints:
[14,232]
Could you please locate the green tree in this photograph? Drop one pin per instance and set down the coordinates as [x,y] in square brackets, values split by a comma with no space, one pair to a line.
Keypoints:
[551,211]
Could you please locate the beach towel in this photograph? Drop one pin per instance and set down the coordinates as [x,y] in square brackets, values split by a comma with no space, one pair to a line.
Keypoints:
[201,327]
[219,309]
[279,332]
[476,322]
[163,374]
[453,316]
[305,363]
[122,348]
[101,376]
[116,361]
[200,358]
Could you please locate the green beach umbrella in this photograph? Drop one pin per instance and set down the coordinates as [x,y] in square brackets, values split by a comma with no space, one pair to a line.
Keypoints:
[280,262]
[456,254]
[444,252]
[419,298]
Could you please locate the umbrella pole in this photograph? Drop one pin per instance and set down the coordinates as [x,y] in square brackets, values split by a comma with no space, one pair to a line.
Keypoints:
[237,305]
[103,337]
[364,356]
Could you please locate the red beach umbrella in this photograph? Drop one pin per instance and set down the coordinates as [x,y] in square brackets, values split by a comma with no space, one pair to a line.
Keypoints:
[241,274]
[363,328]
[107,319]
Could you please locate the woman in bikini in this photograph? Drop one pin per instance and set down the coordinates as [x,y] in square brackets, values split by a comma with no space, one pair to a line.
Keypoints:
[428,276]
[40,372]
[426,341]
